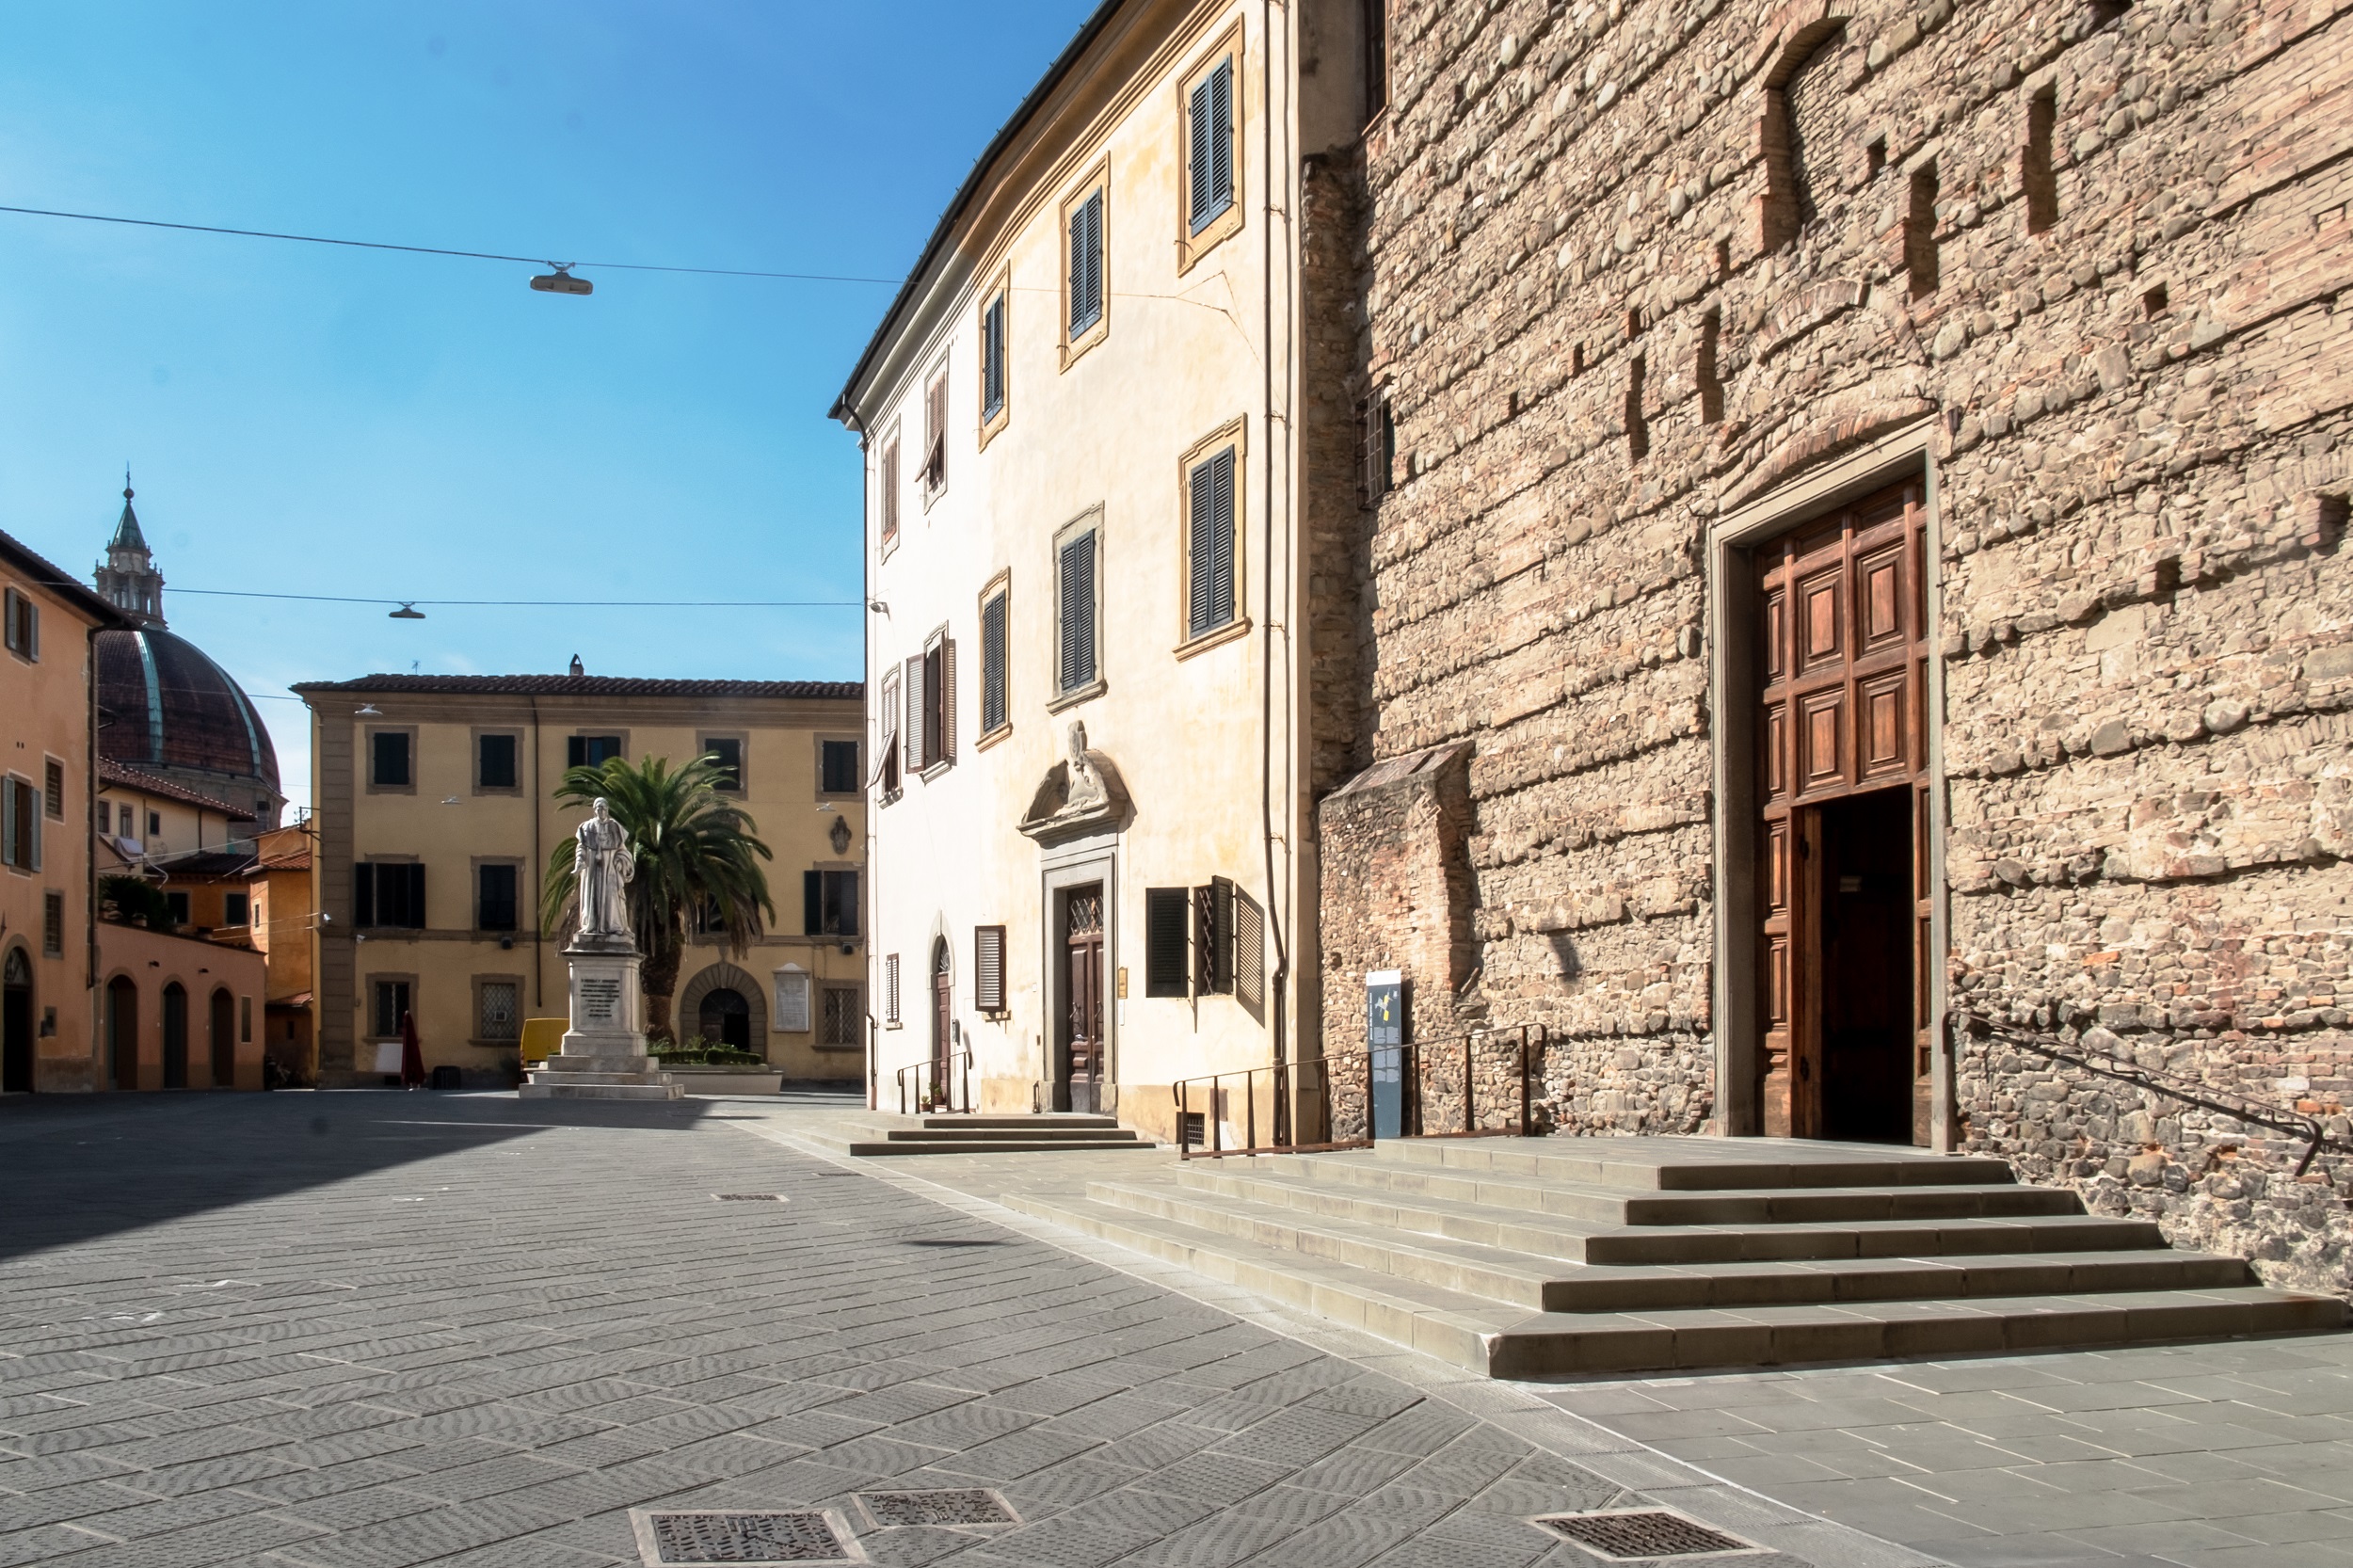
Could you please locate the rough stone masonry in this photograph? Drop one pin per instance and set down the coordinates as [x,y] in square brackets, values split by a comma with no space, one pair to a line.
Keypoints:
[1619,269]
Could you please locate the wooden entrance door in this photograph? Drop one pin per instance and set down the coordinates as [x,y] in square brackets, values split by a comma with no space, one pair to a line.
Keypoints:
[175,1036]
[1082,996]
[16,1023]
[122,1033]
[1843,676]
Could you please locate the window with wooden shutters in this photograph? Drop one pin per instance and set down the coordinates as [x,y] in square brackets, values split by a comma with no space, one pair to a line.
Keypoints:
[1209,544]
[792,1001]
[389,759]
[936,434]
[1210,155]
[996,680]
[887,721]
[993,374]
[1085,292]
[1249,962]
[911,688]
[829,903]
[938,699]
[1077,569]
[22,620]
[887,485]
[19,824]
[1167,943]
[988,970]
[1214,937]
[890,990]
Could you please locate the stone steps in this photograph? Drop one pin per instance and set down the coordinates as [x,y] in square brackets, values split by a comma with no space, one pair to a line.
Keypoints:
[955,1135]
[1463,1249]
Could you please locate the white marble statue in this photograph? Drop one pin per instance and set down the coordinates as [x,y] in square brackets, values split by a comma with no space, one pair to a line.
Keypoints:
[1086,785]
[603,866]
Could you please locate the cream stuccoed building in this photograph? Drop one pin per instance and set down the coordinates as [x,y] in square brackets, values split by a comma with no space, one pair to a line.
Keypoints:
[1110,500]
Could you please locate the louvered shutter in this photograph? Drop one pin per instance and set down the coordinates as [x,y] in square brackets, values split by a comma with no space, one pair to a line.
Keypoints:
[988,968]
[1221,137]
[814,903]
[30,637]
[1200,116]
[1078,612]
[1166,911]
[993,359]
[1249,950]
[948,700]
[1211,556]
[912,689]
[993,699]
[30,799]
[890,990]
[8,821]
[1086,264]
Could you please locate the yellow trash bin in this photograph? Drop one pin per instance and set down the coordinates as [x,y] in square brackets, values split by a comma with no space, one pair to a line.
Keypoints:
[543,1038]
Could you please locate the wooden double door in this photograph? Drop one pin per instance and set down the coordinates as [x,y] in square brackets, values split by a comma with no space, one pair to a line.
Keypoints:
[1080,1081]
[1846,878]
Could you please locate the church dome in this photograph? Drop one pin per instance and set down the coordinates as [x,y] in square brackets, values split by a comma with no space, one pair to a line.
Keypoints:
[162,704]
[165,706]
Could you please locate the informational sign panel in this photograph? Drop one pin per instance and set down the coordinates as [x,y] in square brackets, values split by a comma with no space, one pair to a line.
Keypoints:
[1385,1037]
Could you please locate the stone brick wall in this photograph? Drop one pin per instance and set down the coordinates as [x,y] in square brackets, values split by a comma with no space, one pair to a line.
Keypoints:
[1602,323]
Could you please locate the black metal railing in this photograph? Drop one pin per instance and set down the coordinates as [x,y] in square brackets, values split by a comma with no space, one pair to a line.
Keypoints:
[935,1080]
[1481,1084]
[2216,1098]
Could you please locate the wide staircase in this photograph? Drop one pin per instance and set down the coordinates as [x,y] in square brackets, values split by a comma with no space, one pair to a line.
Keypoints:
[971,1134]
[1606,1256]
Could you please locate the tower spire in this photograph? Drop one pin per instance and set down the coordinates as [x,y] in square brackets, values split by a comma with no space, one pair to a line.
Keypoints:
[128,580]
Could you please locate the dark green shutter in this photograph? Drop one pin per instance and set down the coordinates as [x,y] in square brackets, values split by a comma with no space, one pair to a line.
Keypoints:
[1078,612]
[1210,592]
[1165,911]
[813,902]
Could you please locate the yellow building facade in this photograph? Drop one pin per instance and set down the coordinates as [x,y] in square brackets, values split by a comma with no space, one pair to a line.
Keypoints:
[433,818]
[48,940]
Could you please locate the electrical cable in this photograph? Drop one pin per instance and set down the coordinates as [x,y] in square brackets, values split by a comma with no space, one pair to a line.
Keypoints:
[440,250]
[519,603]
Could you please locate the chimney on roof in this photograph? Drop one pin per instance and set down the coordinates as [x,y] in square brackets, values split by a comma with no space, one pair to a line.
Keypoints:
[576,666]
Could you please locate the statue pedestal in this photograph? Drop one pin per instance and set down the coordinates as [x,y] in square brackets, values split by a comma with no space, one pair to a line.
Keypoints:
[603,1054]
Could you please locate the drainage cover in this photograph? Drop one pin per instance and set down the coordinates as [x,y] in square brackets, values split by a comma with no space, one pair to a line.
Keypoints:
[749,1198]
[964,1505]
[1640,1535]
[807,1535]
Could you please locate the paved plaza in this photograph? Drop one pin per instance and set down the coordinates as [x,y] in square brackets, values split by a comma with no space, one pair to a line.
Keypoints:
[313,1330]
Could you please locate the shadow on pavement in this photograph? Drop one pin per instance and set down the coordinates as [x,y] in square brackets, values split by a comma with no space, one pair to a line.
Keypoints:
[73,1168]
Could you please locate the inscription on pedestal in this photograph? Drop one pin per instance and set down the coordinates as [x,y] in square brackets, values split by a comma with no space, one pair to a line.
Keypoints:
[600,998]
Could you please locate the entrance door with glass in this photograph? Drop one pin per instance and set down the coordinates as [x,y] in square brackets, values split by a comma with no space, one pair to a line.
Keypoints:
[1844,887]
[1081,1079]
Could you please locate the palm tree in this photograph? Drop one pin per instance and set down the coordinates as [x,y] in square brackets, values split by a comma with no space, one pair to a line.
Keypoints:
[694,848]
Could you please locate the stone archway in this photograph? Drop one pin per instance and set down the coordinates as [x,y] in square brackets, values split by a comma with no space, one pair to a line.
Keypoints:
[724,976]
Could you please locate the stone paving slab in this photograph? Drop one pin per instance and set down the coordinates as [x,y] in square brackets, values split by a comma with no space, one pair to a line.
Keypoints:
[376,1330]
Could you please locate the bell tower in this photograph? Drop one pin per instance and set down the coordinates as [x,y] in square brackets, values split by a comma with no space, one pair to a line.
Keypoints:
[129,580]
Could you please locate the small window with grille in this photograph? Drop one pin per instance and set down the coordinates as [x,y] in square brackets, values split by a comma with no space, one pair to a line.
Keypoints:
[842,1017]
[498,1013]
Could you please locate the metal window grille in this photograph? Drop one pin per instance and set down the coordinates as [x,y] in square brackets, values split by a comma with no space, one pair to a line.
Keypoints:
[52,795]
[842,1016]
[501,1014]
[53,925]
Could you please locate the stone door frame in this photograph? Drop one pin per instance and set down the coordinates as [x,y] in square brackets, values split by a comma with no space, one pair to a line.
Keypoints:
[1899,455]
[1061,867]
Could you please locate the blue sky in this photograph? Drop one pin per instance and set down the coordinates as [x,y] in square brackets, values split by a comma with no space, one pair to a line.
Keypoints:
[313,419]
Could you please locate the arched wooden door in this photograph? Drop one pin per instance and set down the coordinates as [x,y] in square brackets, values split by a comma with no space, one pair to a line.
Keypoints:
[175,1036]
[1845,884]
[122,1033]
[16,1023]
[222,1026]
[1081,1088]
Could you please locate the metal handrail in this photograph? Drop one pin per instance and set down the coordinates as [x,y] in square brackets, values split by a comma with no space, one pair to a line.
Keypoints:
[962,1057]
[2207,1097]
[1286,1078]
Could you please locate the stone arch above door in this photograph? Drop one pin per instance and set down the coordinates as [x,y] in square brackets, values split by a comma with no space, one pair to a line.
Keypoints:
[718,976]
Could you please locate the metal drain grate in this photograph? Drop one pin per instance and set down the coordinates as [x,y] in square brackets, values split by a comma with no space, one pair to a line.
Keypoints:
[745,1538]
[1640,1535]
[749,1198]
[959,1505]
